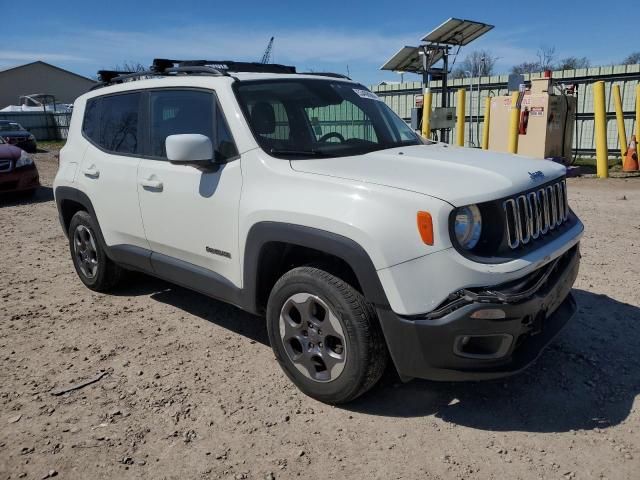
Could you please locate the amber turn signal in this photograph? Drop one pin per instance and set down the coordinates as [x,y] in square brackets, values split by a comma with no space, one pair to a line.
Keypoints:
[425,227]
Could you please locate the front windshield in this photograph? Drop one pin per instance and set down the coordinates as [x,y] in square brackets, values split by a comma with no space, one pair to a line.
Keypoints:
[308,117]
[10,127]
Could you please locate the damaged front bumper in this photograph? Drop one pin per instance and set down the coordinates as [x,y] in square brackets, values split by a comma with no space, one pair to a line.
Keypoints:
[488,332]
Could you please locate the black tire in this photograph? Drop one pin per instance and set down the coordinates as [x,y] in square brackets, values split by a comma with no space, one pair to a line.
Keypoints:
[366,354]
[107,274]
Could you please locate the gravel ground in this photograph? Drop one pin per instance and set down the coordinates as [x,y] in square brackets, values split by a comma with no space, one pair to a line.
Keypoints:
[191,388]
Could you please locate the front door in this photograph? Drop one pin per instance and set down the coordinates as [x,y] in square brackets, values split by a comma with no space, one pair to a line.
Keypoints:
[191,214]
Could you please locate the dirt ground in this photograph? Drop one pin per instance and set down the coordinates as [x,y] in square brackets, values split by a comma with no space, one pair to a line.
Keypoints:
[192,389]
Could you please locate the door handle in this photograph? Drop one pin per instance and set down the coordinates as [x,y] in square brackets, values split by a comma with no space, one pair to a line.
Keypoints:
[150,183]
[91,172]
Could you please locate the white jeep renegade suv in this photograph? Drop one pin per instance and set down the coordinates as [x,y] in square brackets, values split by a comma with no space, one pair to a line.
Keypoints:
[304,198]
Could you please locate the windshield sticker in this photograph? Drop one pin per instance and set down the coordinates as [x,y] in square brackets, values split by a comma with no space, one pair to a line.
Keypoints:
[366,94]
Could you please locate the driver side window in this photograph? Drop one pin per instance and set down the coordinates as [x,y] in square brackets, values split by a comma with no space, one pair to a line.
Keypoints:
[345,119]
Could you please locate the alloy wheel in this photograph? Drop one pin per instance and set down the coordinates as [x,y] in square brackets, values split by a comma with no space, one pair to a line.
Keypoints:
[313,337]
[86,251]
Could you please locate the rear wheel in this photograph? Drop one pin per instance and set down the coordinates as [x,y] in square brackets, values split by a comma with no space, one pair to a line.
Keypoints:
[325,336]
[92,265]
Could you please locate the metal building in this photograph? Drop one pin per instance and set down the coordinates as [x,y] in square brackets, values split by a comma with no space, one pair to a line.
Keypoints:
[41,77]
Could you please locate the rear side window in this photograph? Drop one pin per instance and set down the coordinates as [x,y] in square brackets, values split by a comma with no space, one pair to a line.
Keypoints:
[175,112]
[91,122]
[119,123]
[112,123]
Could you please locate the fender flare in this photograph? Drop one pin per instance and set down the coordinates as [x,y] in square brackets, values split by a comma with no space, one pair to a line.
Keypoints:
[339,246]
[69,193]
[78,196]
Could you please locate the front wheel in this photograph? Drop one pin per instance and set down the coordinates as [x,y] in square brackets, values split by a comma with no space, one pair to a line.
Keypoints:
[325,335]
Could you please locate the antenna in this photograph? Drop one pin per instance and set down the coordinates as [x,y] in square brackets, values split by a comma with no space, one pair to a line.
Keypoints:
[266,56]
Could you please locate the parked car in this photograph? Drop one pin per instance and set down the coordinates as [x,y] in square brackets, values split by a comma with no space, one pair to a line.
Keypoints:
[18,172]
[16,134]
[304,198]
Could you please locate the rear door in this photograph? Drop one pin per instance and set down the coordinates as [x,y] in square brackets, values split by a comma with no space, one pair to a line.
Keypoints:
[113,126]
[191,214]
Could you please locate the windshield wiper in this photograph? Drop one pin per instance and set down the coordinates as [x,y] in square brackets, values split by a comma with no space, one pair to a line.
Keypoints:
[302,153]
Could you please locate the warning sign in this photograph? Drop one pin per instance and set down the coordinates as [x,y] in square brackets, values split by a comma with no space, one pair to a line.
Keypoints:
[536,112]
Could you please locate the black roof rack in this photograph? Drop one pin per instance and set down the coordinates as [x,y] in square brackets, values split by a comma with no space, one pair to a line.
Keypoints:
[108,75]
[159,68]
[167,67]
[224,65]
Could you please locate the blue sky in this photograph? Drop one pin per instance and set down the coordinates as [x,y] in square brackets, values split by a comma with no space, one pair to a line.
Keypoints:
[84,36]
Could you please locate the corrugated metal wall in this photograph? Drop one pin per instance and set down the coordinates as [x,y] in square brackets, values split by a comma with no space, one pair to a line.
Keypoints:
[401,98]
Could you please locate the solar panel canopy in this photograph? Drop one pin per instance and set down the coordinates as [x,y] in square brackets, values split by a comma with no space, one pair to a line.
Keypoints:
[457,32]
[408,59]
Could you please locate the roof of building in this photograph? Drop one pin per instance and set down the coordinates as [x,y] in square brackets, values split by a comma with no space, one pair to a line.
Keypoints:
[14,67]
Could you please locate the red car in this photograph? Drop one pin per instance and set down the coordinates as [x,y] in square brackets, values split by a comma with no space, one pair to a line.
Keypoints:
[18,172]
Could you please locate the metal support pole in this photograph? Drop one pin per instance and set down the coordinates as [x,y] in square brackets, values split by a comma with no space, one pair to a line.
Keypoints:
[602,152]
[470,141]
[487,123]
[622,132]
[444,133]
[514,123]
[638,112]
[480,71]
[460,114]
[426,113]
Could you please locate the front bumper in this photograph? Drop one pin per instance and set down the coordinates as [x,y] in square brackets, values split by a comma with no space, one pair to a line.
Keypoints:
[435,349]
[19,180]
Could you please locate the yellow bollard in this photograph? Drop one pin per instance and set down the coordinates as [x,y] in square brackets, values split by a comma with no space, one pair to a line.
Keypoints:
[514,123]
[426,113]
[622,132]
[602,152]
[638,112]
[461,120]
[487,123]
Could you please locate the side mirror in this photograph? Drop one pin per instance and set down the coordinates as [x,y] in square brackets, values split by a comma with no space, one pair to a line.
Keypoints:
[189,148]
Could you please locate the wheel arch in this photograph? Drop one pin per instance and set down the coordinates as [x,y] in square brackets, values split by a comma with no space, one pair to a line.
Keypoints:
[264,249]
[70,200]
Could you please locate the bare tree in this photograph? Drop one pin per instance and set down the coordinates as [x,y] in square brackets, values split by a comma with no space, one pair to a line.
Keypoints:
[526,67]
[571,63]
[632,59]
[479,63]
[546,56]
[129,66]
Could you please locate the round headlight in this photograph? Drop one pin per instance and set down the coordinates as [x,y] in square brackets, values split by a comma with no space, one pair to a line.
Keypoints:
[468,226]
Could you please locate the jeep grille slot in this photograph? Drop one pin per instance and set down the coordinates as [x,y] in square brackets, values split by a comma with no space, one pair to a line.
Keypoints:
[532,215]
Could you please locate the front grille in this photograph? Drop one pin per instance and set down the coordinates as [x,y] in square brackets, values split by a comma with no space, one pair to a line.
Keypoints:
[534,214]
[5,165]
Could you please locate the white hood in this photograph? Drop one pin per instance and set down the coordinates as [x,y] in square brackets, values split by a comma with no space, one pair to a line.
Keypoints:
[460,176]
